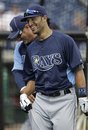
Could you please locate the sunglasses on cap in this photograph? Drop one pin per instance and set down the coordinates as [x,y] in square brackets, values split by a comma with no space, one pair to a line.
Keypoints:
[31,12]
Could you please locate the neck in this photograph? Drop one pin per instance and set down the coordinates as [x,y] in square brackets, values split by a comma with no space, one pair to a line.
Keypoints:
[45,33]
[30,40]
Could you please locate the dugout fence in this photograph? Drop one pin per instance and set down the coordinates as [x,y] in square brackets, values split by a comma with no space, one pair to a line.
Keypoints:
[11,116]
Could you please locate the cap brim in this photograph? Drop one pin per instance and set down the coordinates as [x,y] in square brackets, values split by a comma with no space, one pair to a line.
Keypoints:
[13,35]
[25,18]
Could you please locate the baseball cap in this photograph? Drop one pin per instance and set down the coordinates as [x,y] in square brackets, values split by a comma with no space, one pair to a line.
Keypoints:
[16,27]
[33,11]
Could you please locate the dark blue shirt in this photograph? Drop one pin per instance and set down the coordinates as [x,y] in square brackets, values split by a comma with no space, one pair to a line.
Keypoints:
[47,62]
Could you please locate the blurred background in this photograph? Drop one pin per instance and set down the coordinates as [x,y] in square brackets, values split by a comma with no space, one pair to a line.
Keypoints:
[71,17]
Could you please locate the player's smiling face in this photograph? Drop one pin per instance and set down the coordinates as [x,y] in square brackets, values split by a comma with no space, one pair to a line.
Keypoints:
[36,24]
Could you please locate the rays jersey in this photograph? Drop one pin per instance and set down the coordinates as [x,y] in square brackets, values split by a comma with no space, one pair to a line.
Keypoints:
[52,62]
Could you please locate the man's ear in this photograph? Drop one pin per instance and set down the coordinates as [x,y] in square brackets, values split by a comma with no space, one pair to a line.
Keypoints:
[45,17]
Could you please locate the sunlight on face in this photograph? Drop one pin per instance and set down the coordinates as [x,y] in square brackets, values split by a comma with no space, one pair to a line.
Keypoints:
[35,24]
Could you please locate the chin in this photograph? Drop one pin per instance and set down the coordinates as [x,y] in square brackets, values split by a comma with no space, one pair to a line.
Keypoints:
[35,31]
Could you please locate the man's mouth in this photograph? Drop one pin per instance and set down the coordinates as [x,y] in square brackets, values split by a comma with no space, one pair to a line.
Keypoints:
[33,28]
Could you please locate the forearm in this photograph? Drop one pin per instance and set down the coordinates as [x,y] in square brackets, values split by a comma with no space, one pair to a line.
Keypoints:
[81,83]
[18,77]
[26,99]
[80,79]
[82,91]
[30,88]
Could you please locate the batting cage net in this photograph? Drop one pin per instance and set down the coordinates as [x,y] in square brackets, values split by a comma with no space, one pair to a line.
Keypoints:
[69,16]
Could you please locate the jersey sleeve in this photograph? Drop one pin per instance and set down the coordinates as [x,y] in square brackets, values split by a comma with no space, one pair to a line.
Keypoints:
[18,77]
[18,64]
[28,70]
[73,55]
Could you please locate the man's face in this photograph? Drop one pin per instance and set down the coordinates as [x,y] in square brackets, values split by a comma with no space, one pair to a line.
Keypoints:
[27,34]
[36,24]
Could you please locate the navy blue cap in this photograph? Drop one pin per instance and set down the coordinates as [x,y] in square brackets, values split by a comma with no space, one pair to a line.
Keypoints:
[33,11]
[16,27]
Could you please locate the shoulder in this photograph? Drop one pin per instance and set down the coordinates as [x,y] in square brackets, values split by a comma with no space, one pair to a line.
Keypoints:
[18,45]
[22,46]
[61,35]
[32,45]
[65,38]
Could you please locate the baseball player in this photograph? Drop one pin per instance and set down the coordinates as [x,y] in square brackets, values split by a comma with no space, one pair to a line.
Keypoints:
[47,61]
[22,33]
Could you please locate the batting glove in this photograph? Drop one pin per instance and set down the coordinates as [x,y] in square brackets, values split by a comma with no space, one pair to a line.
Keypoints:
[83,102]
[25,103]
